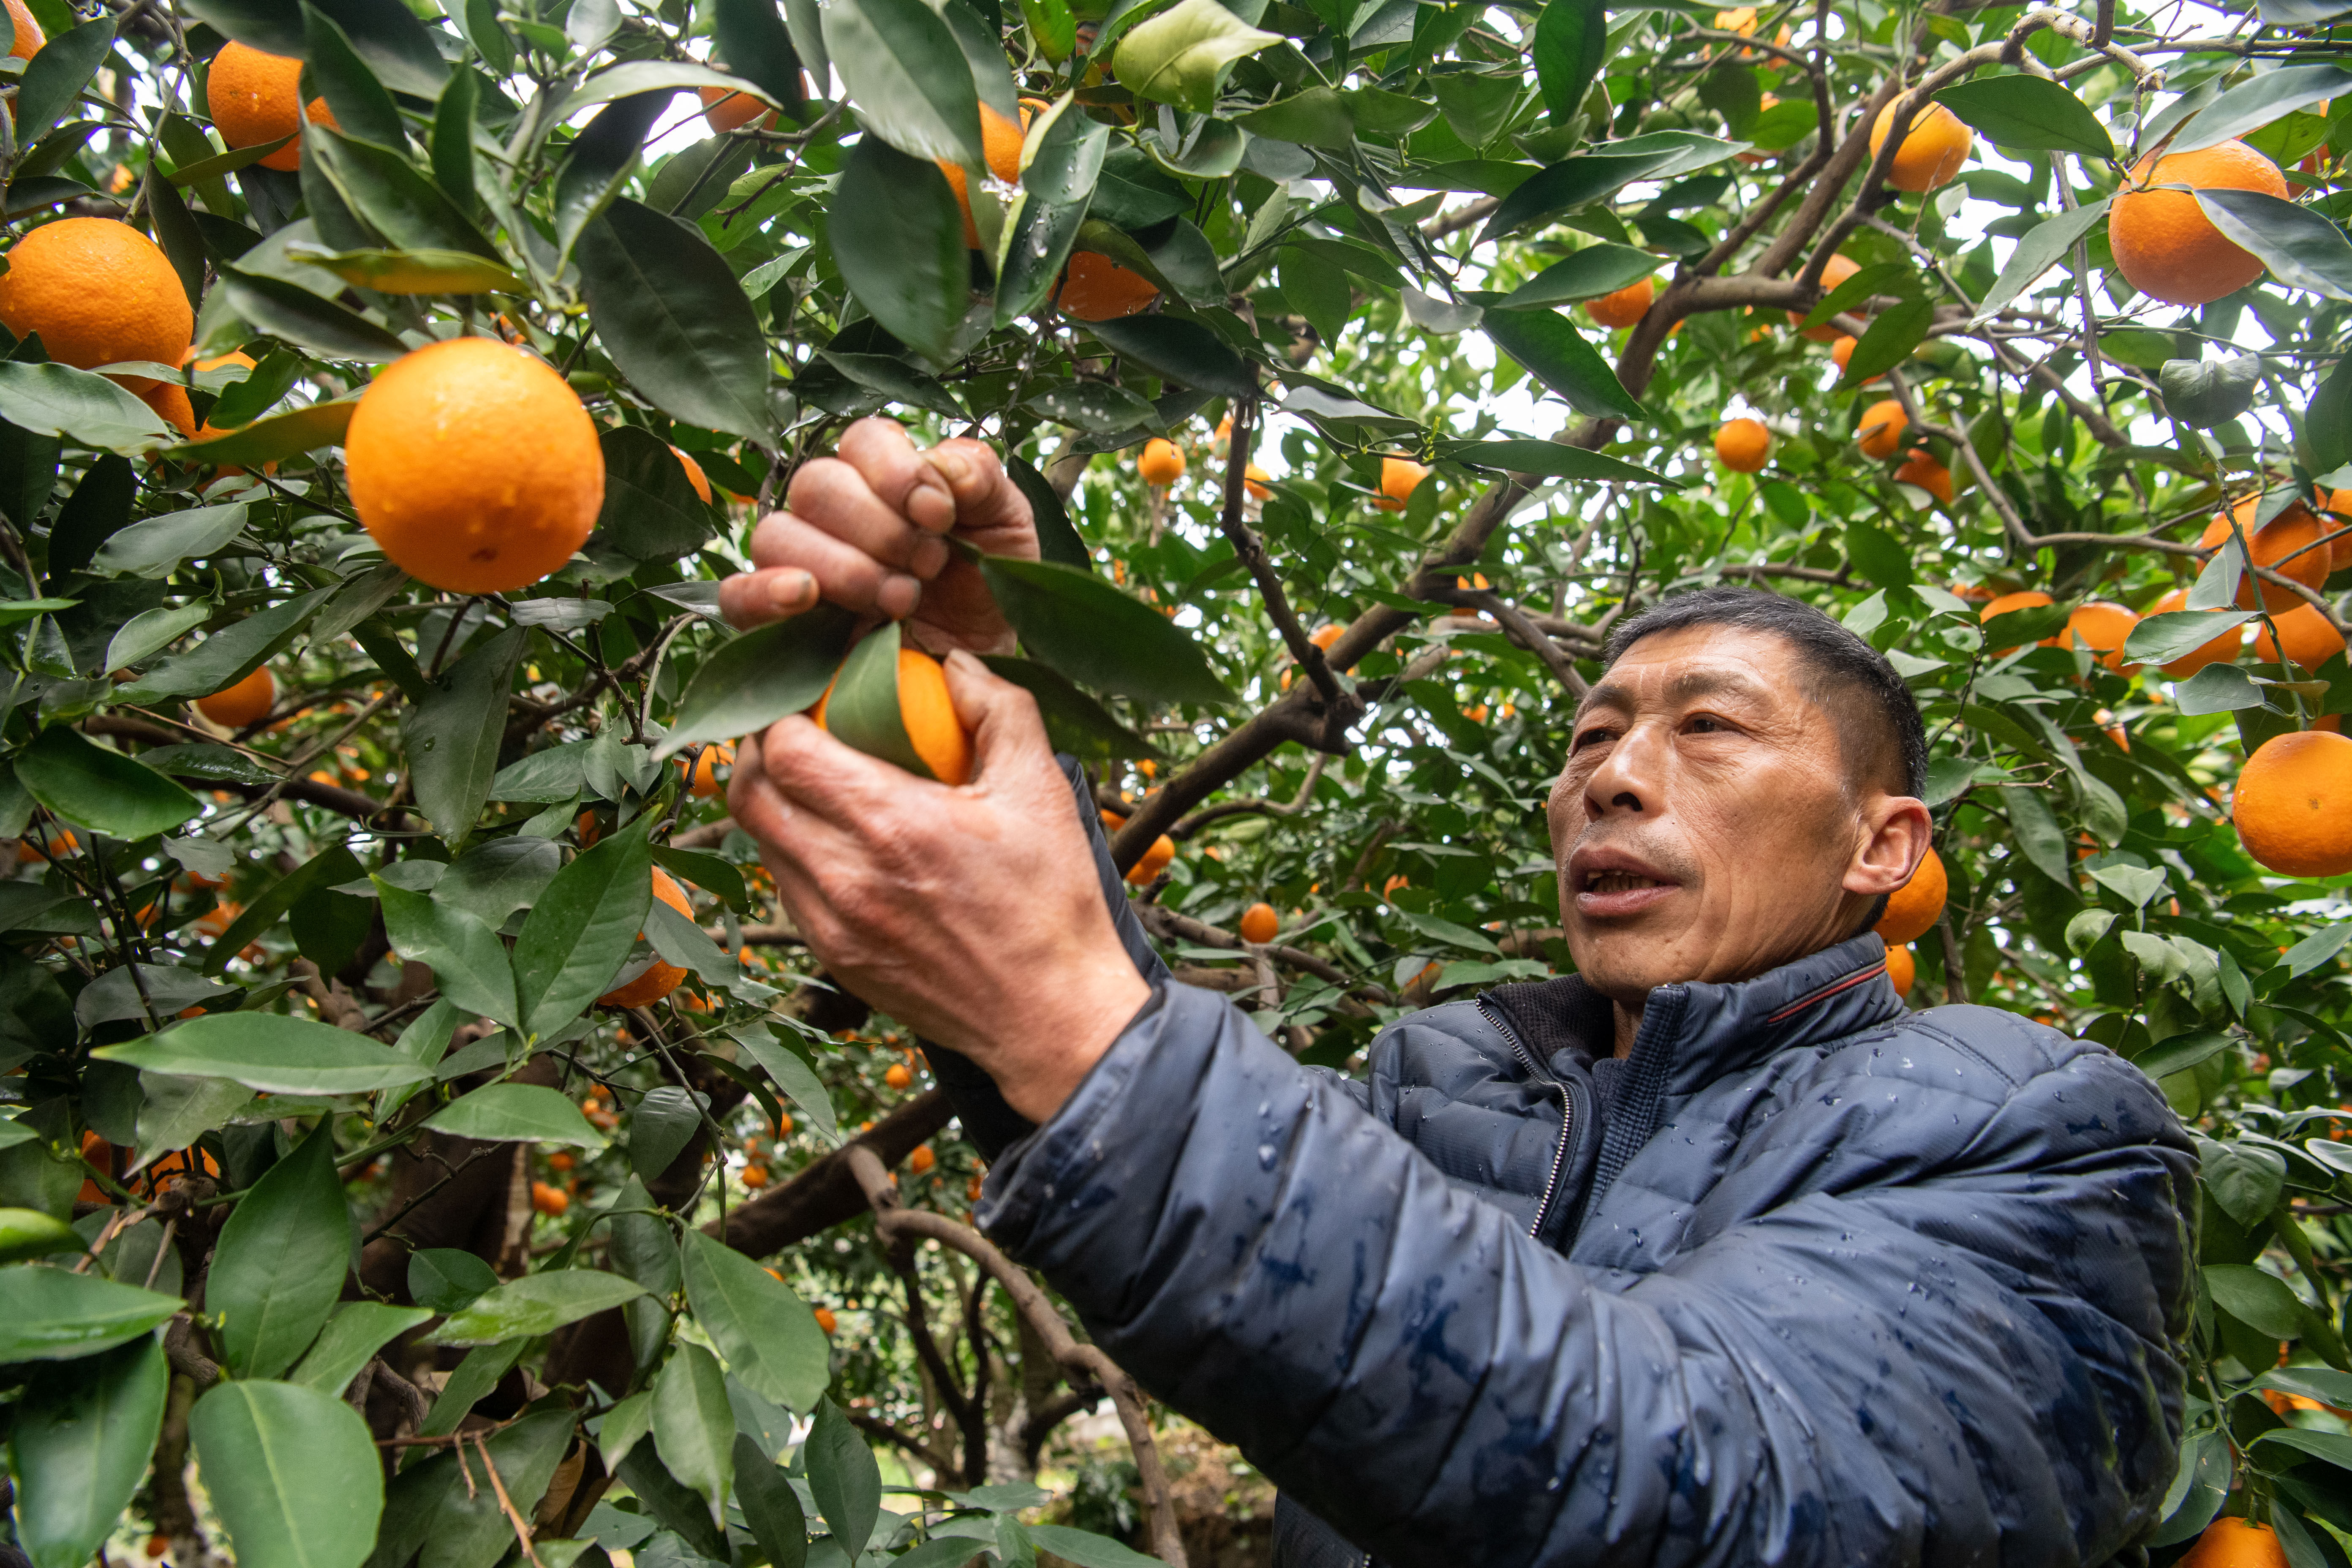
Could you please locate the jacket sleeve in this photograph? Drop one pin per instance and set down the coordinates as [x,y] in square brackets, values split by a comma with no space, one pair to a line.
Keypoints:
[988,1121]
[1870,1378]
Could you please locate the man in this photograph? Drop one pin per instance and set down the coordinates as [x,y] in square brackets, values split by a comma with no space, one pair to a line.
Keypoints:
[1709,1253]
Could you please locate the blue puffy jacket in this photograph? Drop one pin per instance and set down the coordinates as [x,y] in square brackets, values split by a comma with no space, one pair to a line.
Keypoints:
[1829,1282]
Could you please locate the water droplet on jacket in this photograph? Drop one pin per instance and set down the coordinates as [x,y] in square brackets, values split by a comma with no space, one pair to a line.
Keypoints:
[1266,1156]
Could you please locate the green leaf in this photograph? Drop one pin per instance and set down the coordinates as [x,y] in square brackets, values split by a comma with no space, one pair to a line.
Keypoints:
[517,1113]
[674,320]
[2180,1053]
[292,1473]
[357,101]
[448,1279]
[1586,274]
[843,1476]
[796,1077]
[467,959]
[2217,689]
[581,929]
[80,1447]
[2160,640]
[453,737]
[2302,249]
[279,1266]
[769,1336]
[47,1314]
[1548,343]
[1181,56]
[650,509]
[666,1121]
[771,1507]
[453,142]
[2207,393]
[2261,1301]
[1572,182]
[2031,113]
[604,153]
[2254,103]
[908,75]
[274,439]
[229,655]
[1891,337]
[420,270]
[27,1234]
[1085,628]
[1074,722]
[1083,1547]
[57,75]
[1057,190]
[476,1376]
[1572,40]
[269,1052]
[352,1336]
[640,79]
[1557,460]
[286,311]
[533,1305]
[748,684]
[2037,832]
[694,1426]
[2038,252]
[153,547]
[624,1425]
[751,38]
[100,790]
[863,711]
[898,236]
[58,400]
[1184,351]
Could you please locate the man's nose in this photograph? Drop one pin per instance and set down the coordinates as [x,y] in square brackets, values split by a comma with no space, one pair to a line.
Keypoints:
[1627,778]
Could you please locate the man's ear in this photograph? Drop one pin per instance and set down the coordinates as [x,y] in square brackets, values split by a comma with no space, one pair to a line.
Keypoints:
[1896,831]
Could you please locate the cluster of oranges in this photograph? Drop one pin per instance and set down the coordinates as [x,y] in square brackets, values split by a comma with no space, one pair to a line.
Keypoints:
[1161,464]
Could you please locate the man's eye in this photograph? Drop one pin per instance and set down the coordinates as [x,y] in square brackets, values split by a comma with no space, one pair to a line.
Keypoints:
[1590,737]
[1703,725]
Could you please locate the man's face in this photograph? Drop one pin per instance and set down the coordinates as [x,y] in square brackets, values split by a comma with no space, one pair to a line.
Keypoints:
[1704,828]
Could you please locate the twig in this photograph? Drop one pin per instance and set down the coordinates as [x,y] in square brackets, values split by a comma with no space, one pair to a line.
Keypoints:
[521,1527]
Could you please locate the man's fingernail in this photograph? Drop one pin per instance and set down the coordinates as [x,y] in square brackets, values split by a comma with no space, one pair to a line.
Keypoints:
[792,590]
[964,660]
[898,595]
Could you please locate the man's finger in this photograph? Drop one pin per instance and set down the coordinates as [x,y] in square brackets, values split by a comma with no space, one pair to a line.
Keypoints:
[816,774]
[886,457]
[991,509]
[1008,736]
[751,599]
[843,573]
[836,497]
[801,838]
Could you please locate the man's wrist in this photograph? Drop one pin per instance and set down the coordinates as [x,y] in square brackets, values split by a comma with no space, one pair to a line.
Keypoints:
[1038,1072]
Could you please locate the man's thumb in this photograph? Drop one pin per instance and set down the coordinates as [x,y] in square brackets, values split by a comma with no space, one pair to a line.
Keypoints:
[1007,733]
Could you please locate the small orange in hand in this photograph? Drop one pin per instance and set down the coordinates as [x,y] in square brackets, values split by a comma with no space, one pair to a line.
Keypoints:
[1920,469]
[2288,544]
[246,703]
[1912,909]
[1625,307]
[2310,640]
[1834,271]
[99,292]
[1162,463]
[2293,805]
[473,466]
[2164,244]
[1743,445]
[1933,149]
[1096,289]
[1882,427]
[657,979]
[1260,923]
[1399,477]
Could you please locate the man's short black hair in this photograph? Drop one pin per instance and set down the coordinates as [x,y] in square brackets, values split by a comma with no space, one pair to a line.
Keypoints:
[1879,728]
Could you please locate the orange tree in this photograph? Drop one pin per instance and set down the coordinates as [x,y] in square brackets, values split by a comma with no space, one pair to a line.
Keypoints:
[418,1117]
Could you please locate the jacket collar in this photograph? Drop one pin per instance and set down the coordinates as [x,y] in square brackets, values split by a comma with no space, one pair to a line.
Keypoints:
[1705,1031]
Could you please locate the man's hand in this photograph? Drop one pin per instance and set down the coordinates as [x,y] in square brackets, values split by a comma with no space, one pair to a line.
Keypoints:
[865,530]
[973,914]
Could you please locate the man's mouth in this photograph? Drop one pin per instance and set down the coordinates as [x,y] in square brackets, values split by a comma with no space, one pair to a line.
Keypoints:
[1617,891]
[1620,882]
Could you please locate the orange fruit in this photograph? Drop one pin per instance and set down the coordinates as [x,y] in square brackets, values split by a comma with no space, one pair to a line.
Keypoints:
[473,466]
[1743,446]
[29,37]
[1399,477]
[755,1176]
[1741,21]
[1477,580]
[2286,544]
[898,1074]
[1625,307]
[2029,599]
[2310,640]
[1155,860]
[2102,627]
[1883,424]
[1837,271]
[2232,1542]
[922,1159]
[1000,148]
[561,1160]
[99,292]
[826,1320]
[1932,150]
[2339,524]
[1922,469]
[246,703]
[169,399]
[657,979]
[1842,350]
[1260,923]
[1911,912]
[1326,634]
[930,716]
[704,782]
[724,109]
[2165,246]
[1162,463]
[550,1201]
[2221,650]
[1257,481]
[1096,289]
[695,476]
[2293,805]
[1902,969]
[253,98]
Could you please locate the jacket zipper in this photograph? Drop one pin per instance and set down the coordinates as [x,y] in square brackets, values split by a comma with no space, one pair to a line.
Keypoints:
[1567,1111]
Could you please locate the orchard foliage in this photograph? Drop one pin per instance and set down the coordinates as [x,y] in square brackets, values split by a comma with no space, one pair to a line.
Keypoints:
[362,1147]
